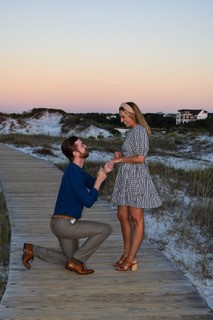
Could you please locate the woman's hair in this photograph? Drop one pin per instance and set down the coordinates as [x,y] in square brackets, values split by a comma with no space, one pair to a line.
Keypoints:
[136,115]
[68,146]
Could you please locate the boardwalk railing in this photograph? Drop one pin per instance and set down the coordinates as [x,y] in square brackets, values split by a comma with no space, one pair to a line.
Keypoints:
[156,291]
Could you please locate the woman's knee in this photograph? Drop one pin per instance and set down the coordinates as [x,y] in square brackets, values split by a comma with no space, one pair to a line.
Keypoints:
[123,213]
[138,223]
[123,218]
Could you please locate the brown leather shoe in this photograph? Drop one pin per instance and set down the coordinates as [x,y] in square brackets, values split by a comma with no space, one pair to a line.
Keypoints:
[78,268]
[27,255]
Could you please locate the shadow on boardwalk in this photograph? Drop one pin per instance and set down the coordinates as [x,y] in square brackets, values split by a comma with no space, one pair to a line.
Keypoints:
[157,291]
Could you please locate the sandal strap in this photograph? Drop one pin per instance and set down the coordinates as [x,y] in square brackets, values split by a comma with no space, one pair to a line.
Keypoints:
[126,264]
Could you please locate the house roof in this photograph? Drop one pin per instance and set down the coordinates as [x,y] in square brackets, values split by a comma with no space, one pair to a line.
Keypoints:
[192,111]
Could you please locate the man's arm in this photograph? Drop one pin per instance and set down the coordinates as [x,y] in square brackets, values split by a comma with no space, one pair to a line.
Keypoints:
[80,187]
[101,176]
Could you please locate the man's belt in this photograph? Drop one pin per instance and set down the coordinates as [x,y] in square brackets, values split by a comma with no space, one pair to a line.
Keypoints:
[62,216]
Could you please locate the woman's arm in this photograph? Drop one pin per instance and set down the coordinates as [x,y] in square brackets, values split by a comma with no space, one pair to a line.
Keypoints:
[140,146]
[133,159]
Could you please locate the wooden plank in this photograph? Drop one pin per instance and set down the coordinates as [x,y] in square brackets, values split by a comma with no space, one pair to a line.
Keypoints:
[156,291]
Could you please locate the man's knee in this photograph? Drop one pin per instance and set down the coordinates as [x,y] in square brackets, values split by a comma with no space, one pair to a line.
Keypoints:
[107,229]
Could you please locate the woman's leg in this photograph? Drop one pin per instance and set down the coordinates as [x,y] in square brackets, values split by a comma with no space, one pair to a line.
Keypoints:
[126,228]
[137,217]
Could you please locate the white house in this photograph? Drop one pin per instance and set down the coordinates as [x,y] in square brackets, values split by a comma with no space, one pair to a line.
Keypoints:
[187,115]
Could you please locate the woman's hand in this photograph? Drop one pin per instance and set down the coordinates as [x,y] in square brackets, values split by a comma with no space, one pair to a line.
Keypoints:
[131,160]
[118,154]
[116,160]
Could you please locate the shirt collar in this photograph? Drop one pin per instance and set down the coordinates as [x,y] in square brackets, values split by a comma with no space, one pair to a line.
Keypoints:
[76,167]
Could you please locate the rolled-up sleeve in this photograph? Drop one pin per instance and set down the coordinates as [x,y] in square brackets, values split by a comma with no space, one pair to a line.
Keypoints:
[141,143]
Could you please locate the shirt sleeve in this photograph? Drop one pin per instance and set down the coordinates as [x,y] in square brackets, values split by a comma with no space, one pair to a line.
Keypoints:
[89,181]
[80,189]
[141,141]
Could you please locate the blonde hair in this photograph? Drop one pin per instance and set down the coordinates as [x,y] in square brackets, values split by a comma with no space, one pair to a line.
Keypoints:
[137,116]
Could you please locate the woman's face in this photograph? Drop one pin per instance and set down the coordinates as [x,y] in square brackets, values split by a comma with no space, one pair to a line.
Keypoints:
[129,122]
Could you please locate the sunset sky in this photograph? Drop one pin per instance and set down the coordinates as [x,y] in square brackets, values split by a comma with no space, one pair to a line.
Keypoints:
[91,55]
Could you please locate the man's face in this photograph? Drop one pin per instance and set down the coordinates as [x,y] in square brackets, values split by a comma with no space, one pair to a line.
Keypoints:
[82,149]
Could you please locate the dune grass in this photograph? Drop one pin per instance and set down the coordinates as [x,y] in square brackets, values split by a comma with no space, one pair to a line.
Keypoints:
[4,244]
[196,184]
[45,141]
[23,140]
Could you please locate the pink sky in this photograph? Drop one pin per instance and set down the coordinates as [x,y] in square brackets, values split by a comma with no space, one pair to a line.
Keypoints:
[92,55]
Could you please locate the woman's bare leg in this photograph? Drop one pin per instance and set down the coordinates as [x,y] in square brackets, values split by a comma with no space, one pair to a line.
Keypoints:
[137,217]
[126,228]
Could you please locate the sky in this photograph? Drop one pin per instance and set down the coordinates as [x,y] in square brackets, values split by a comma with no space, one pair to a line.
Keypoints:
[91,55]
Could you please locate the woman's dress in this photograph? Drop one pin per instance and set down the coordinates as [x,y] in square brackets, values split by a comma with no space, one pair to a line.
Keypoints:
[134,186]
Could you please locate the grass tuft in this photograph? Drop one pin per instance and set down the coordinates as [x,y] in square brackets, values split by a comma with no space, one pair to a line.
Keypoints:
[4,244]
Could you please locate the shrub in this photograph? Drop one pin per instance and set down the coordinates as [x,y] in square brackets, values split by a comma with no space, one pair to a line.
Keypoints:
[4,231]
[44,151]
[200,182]
[202,215]
[22,140]
[4,243]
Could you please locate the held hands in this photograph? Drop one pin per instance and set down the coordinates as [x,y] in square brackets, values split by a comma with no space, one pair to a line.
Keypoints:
[117,158]
[102,172]
[108,166]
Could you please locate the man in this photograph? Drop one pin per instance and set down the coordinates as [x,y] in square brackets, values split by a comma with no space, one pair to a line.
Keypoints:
[77,190]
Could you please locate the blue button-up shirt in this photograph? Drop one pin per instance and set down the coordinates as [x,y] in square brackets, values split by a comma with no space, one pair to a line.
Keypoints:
[76,191]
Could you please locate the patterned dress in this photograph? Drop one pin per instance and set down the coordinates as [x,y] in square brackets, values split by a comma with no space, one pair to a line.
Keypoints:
[134,186]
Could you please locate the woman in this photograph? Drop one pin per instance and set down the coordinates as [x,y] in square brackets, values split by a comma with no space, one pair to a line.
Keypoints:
[134,189]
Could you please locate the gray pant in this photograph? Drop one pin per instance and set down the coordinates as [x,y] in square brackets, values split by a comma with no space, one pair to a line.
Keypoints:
[68,235]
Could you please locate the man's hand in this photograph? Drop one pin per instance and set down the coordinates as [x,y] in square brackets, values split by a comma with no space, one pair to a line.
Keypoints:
[108,166]
[101,176]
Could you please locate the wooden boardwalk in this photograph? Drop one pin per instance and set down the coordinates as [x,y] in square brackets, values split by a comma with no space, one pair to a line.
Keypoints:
[157,291]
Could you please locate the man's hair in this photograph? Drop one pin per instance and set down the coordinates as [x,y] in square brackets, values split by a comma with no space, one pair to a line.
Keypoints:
[68,146]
